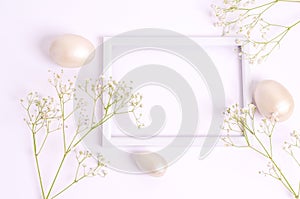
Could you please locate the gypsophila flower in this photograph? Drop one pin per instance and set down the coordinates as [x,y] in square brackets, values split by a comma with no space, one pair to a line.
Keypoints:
[47,115]
[258,137]
[247,18]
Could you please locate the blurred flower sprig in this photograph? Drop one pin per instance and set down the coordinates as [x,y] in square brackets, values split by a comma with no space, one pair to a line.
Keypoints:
[54,115]
[249,18]
[258,137]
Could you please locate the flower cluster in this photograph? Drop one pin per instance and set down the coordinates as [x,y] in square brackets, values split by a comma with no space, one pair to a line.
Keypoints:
[258,137]
[292,147]
[82,157]
[248,18]
[46,116]
[115,97]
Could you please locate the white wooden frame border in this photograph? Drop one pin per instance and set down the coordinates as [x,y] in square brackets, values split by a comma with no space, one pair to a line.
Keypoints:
[246,96]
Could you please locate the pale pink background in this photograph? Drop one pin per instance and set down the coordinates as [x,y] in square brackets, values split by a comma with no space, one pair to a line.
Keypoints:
[28,26]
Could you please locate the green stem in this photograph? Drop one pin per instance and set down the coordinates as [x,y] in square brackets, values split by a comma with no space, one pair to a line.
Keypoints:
[95,126]
[294,158]
[295,24]
[45,139]
[290,1]
[72,146]
[271,145]
[62,107]
[260,6]
[38,165]
[56,175]
[71,113]
[271,4]
[43,144]
[77,170]
[251,147]
[67,187]
[298,191]
[289,187]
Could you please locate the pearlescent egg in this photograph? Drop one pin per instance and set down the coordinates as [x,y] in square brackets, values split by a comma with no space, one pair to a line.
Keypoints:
[151,163]
[72,51]
[273,99]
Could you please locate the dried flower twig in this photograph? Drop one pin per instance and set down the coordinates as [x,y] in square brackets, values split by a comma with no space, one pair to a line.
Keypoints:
[46,116]
[258,137]
[248,18]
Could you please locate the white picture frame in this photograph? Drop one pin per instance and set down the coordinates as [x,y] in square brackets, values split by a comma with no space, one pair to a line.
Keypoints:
[244,81]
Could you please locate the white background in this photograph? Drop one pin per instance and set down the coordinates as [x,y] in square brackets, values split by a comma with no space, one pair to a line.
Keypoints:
[27,27]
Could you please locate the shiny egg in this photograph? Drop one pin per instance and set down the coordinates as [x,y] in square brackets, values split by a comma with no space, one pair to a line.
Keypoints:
[71,51]
[273,100]
[151,163]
